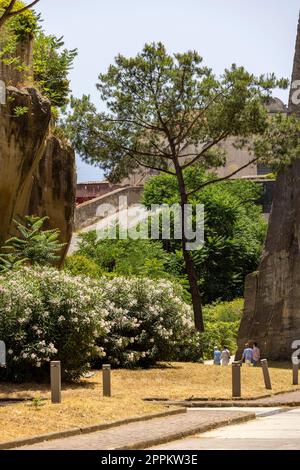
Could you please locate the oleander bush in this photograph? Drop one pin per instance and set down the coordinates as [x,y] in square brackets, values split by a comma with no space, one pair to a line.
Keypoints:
[48,315]
[148,322]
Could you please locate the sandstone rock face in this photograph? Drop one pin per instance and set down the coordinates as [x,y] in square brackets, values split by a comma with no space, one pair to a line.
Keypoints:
[22,141]
[37,171]
[272,295]
[54,188]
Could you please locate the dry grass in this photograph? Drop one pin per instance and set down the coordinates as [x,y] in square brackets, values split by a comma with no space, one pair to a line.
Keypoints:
[84,405]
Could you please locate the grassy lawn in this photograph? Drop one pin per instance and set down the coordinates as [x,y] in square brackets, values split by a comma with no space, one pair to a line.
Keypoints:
[84,405]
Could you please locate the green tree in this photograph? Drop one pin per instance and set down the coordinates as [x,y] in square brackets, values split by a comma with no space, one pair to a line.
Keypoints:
[51,66]
[234,230]
[52,62]
[9,9]
[168,113]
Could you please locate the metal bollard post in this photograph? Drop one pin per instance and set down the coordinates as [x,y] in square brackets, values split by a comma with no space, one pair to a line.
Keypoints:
[106,376]
[236,379]
[295,374]
[266,374]
[2,354]
[55,374]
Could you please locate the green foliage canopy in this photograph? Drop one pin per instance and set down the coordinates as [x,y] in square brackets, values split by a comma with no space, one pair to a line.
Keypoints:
[234,230]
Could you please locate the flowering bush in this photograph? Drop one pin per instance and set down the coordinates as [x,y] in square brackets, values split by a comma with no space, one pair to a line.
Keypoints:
[47,315]
[148,322]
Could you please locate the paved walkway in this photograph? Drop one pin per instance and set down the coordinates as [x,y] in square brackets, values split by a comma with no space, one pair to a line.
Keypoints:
[278,431]
[134,435]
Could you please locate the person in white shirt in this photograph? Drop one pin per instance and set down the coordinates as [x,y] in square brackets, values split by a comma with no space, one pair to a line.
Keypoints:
[225,356]
[255,354]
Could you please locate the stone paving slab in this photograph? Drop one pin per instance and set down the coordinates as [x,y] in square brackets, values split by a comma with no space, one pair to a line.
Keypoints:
[144,434]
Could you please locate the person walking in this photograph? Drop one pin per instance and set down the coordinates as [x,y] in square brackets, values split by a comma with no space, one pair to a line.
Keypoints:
[217,356]
[225,356]
[255,354]
[247,355]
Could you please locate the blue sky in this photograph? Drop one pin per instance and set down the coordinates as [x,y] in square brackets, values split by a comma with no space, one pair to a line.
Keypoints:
[257,34]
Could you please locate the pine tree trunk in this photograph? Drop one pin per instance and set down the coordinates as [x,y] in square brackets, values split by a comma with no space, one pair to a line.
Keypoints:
[189,263]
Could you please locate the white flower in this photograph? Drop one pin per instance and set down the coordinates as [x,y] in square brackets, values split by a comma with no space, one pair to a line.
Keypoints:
[10,352]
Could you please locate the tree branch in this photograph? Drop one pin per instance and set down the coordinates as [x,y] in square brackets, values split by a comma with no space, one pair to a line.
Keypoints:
[182,136]
[227,177]
[142,124]
[150,166]
[9,13]
[206,148]
[21,10]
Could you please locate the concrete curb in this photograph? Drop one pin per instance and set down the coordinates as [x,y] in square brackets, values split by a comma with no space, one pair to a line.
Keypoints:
[210,400]
[85,430]
[189,432]
[217,400]
[233,404]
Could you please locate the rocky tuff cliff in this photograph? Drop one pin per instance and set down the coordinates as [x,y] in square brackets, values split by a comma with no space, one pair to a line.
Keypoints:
[22,141]
[54,188]
[272,294]
[37,171]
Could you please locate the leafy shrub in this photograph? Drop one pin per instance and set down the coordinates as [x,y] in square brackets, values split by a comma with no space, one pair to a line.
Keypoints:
[127,257]
[80,265]
[222,322]
[148,322]
[218,334]
[47,315]
[224,311]
[52,63]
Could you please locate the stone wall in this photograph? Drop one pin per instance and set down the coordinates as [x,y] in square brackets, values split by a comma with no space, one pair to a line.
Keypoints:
[91,190]
[86,213]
